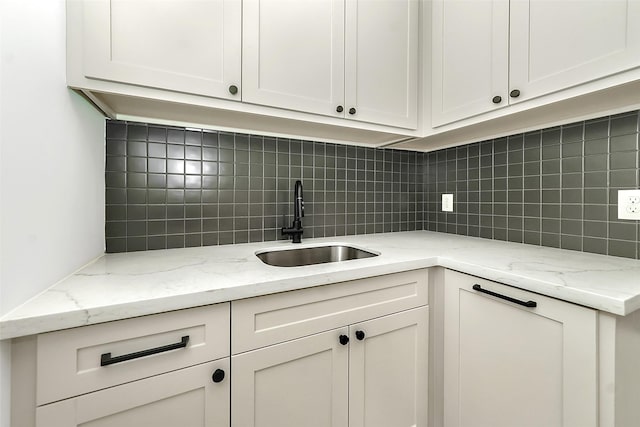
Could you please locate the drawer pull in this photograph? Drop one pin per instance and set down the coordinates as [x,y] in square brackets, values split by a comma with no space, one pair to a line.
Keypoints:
[106,359]
[530,304]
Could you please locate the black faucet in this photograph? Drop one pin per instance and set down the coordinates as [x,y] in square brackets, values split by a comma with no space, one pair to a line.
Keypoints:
[295,231]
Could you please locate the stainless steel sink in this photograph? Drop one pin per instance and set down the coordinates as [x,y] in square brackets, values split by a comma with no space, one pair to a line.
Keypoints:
[312,255]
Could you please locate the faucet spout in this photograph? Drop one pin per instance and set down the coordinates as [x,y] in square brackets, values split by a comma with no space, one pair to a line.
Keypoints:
[298,207]
[295,231]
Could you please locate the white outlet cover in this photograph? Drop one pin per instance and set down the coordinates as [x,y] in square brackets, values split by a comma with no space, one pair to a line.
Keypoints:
[629,204]
[447,203]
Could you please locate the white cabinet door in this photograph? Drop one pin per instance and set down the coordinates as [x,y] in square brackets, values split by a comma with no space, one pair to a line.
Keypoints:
[490,54]
[190,46]
[470,62]
[343,58]
[388,370]
[293,54]
[506,365]
[563,43]
[186,397]
[381,60]
[303,382]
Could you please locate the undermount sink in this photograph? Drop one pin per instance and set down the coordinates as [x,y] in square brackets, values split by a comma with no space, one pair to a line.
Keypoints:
[310,255]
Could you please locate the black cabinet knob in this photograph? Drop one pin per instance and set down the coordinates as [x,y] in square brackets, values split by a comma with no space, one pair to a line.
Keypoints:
[514,93]
[339,109]
[233,89]
[344,340]
[360,335]
[218,376]
[352,110]
[497,99]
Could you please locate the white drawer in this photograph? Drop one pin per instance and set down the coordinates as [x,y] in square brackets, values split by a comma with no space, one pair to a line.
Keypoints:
[184,398]
[261,321]
[494,290]
[70,362]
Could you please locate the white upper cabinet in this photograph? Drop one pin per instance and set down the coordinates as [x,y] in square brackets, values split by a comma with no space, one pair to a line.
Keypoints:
[189,46]
[294,54]
[470,58]
[331,70]
[381,59]
[559,44]
[487,55]
[352,59]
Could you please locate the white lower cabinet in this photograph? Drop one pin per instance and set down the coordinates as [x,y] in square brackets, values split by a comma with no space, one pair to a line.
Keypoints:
[345,354]
[348,354]
[303,382]
[371,374]
[170,369]
[515,358]
[188,398]
[388,370]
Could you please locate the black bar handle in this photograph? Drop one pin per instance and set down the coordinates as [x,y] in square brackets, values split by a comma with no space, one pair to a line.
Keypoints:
[530,304]
[106,359]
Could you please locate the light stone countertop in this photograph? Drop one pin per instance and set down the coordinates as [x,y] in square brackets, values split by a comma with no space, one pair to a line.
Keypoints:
[119,286]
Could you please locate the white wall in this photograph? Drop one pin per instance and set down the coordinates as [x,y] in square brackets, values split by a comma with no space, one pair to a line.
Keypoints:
[51,163]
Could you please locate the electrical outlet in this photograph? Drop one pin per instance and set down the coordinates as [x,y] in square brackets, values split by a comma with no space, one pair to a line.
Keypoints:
[629,204]
[447,203]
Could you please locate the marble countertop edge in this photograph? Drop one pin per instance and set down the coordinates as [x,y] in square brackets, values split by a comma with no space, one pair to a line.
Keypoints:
[12,326]
[127,285]
[593,300]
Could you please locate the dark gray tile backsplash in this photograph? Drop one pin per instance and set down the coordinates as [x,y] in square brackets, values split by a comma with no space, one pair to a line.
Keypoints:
[174,187]
[555,187]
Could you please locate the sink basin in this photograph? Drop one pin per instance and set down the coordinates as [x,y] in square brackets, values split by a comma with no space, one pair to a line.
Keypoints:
[312,255]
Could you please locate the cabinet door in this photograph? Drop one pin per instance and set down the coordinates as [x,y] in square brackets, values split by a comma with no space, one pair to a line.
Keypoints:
[470,58]
[303,382]
[293,54]
[381,62]
[563,43]
[190,46]
[388,370]
[186,397]
[507,365]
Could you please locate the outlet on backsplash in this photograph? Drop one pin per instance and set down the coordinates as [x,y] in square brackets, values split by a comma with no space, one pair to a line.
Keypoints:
[447,203]
[629,204]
